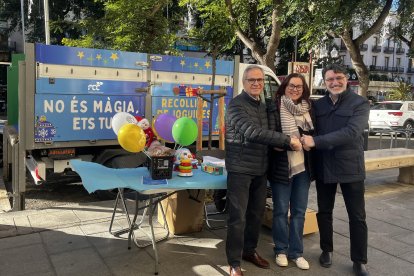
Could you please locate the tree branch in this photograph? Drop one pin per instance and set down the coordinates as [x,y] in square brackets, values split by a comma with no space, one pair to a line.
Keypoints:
[242,35]
[377,24]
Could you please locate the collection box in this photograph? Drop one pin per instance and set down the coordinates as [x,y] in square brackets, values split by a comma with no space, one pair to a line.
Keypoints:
[160,167]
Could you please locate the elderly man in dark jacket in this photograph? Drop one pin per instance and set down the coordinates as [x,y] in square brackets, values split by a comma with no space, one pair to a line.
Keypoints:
[247,140]
[341,117]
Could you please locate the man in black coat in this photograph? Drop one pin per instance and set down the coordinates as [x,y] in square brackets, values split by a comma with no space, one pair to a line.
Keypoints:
[341,117]
[247,140]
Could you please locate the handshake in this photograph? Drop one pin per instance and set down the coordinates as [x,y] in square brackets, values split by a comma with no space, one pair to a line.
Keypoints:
[306,142]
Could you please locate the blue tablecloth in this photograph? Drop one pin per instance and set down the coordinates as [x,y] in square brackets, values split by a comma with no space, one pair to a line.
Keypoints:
[97,177]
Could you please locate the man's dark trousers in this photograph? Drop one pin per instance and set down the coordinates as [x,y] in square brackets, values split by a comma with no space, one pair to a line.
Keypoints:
[353,194]
[246,195]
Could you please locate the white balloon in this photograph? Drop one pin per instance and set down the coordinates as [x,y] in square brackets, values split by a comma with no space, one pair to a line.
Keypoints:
[121,119]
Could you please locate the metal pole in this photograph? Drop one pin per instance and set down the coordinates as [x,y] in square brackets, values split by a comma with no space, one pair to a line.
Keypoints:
[46,14]
[296,48]
[23,33]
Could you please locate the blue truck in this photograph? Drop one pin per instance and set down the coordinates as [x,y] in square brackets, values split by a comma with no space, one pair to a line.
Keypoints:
[67,97]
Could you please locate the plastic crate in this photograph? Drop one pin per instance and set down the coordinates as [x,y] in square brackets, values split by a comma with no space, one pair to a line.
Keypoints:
[160,167]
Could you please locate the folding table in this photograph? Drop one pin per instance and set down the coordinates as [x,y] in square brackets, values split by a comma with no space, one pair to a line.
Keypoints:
[98,177]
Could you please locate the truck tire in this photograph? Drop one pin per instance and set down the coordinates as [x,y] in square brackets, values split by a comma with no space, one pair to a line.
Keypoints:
[118,159]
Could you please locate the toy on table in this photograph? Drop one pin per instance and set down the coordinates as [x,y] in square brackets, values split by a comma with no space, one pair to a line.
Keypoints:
[184,162]
[149,133]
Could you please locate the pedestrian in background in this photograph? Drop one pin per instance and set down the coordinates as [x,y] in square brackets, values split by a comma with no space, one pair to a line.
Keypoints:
[289,171]
[341,117]
[247,140]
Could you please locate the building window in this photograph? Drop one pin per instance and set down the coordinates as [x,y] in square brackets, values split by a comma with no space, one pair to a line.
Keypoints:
[376,40]
[398,62]
[409,79]
[374,61]
[386,62]
[388,42]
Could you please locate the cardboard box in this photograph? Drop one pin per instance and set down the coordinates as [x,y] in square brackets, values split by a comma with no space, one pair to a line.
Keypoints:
[311,224]
[184,211]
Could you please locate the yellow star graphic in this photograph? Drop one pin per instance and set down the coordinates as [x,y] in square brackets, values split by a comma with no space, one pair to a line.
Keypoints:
[182,62]
[98,56]
[196,64]
[80,55]
[114,56]
[207,64]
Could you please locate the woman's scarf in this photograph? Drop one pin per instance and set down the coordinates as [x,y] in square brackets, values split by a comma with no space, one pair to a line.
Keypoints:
[292,117]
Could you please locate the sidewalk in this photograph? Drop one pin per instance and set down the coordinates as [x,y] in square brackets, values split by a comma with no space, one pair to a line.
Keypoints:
[74,240]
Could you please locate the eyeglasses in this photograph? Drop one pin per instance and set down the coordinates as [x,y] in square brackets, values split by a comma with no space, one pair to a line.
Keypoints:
[336,78]
[295,87]
[253,81]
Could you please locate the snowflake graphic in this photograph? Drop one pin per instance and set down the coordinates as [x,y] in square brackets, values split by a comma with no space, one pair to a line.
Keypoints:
[53,131]
[43,132]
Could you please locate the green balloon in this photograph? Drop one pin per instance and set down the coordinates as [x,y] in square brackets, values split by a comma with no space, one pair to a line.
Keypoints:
[184,131]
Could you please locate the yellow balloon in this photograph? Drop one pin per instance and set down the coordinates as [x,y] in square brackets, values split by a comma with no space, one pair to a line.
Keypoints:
[131,138]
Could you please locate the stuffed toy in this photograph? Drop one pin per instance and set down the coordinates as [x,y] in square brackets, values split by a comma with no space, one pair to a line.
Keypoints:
[184,162]
[149,133]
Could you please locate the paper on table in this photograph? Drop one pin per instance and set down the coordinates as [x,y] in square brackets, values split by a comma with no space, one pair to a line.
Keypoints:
[147,180]
[214,161]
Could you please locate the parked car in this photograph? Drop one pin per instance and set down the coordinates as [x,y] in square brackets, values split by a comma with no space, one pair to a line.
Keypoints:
[391,115]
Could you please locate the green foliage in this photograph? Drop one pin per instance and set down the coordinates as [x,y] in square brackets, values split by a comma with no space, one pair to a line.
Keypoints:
[130,26]
[215,32]
[64,17]
[402,93]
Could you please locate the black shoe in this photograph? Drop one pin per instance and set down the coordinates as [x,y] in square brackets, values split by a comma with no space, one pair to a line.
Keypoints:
[360,269]
[325,259]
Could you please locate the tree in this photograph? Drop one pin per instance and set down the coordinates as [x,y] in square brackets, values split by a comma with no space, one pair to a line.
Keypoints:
[354,21]
[215,35]
[131,26]
[65,17]
[251,20]
[405,24]
[401,93]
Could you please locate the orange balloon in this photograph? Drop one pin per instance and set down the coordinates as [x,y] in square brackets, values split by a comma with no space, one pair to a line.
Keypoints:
[131,138]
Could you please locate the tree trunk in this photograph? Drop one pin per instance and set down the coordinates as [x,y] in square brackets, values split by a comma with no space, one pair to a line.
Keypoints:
[358,63]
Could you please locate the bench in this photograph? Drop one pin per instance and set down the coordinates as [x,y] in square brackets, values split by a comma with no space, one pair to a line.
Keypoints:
[401,158]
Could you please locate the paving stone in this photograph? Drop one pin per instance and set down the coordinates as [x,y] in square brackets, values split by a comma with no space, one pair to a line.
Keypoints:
[84,261]
[23,226]
[62,240]
[19,241]
[25,260]
[137,261]
[52,220]
[108,245]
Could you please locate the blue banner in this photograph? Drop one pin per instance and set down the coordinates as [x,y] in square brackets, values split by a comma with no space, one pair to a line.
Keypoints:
[54,54]
[93,87]
[81,117]
[187,107]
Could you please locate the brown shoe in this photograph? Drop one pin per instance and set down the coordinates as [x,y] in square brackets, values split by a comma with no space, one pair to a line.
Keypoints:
[256,259]
[236,271]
